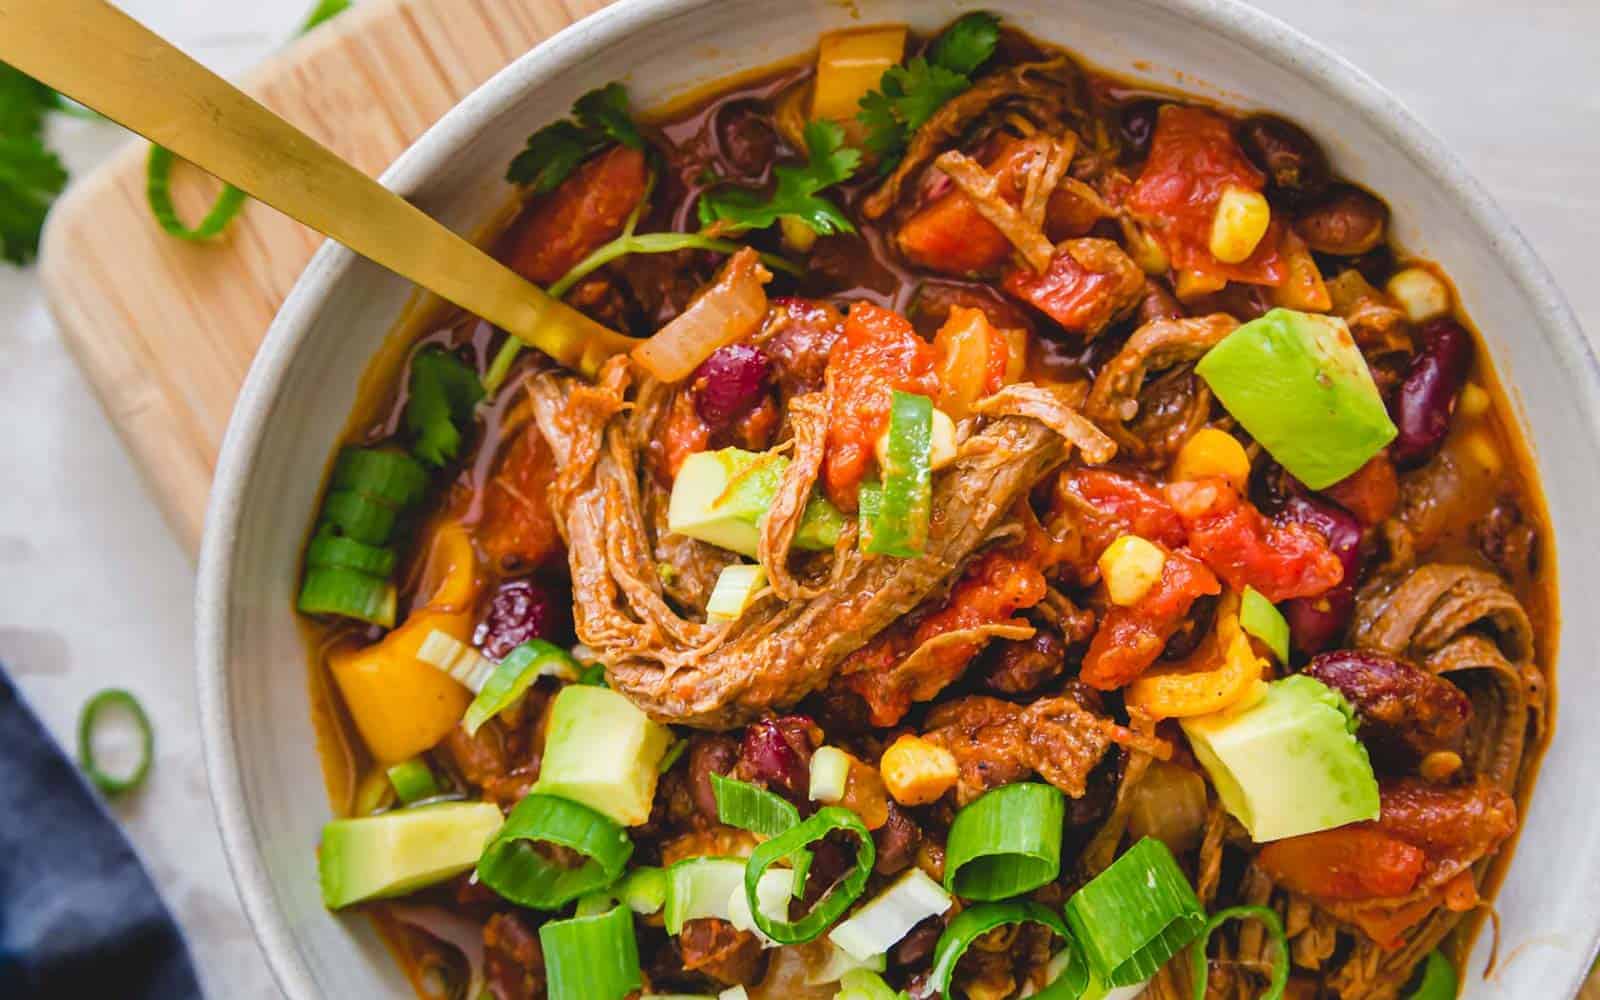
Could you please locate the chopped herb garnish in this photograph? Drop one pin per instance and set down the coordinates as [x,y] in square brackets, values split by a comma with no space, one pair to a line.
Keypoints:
[31,175]
[24,102]
[829,161]
[909,95]
[444,392]
[599,119]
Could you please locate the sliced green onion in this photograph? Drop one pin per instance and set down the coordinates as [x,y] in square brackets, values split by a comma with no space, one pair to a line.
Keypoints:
[358,516]
[839,896]
[901,525]
[773,891]
[869,500]
[89,719]
[413,781]
[593,903]
[1280,959]
[324,10]
[512,867]
[594,675]
[1136,914]
[864,984]
[747,807]
[672,756]
[1006,843]
[644,890]
[1438,980]
[512,678]
[880,924]
[469,667]
[976,921]
[158,192]
[700,887]
[333,591]
[391,476]
[591,958]
[1260,618]
[830,769]
[838,962]
[333,552]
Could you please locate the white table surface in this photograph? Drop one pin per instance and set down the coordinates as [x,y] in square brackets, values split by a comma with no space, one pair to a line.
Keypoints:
[95,591]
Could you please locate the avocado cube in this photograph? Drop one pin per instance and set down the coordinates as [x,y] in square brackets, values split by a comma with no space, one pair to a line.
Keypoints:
[720,497]
[602,752]
[1290,763]
[391,854]
[1299,384]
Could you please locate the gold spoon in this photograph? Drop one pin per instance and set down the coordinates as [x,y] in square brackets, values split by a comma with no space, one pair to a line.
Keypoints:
[104,59]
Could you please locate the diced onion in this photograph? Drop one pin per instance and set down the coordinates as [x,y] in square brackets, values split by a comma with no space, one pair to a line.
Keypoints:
[830,767]
[456,658]
[729,310]
[837,962]
[773,892]
[1420,293]
[876,927]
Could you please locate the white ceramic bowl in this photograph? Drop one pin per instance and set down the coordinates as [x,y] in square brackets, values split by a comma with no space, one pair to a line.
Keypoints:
[259,744]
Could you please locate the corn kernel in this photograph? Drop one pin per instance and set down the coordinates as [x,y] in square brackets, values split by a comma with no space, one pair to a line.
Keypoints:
[798,237]
[1145,249]
[1441,765]
[943,446]
[917,771]
[1240,223]
[1191,285]
[1480,448]
[1475,401]
[1420,293]
[1131,566]
[1213,452]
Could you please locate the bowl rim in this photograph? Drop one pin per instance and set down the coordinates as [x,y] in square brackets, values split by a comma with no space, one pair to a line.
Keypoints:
[261,393]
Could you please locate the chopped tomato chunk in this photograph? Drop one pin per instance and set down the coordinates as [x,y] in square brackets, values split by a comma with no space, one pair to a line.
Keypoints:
[1348,863]
[1193,159]
[589,208]
[1088,284]
[1245,549]
[685,434]
[879,353]
[1104,504]
[1371,493]
[1131,638]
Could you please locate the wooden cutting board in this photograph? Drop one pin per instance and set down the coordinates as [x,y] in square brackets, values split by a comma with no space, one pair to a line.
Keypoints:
[165,329]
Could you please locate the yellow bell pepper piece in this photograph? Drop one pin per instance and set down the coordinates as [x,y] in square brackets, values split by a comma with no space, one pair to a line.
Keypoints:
[401,705]
[850,63]
[1223,673]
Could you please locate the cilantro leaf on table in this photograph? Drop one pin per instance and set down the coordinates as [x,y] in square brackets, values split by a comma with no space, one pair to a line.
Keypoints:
[444,392]
[828,162]
[24,102]
[30,178]
[599,118]
[909,95]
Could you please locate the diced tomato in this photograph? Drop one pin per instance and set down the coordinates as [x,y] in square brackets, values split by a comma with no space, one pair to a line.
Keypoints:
[1350,863]
[1107,504]
[993,589]
[1130,639]
[1193,158]
[1087,285]
[589,208]
[685,434]
[879,353]
[517,527]
[1245,549]
[1371,493]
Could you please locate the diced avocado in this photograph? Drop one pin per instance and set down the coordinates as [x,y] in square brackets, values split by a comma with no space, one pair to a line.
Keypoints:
[1261,618]
[1288,764]
[720,497]
[603,752]
[736,584]
[1298,383]
[373,857]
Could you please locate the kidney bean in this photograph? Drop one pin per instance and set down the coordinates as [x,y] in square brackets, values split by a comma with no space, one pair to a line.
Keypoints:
[746,138]
[1347,221]
[521,610]
[1315,623]
[777,752]
[1137,124]
[1403,708]
[1023,666]
[896,842]
[917,946]
[1294,163]
[708,755]
[1426,398]
[728,383]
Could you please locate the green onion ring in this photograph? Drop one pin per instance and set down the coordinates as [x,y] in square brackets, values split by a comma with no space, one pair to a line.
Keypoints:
[1438,980]
[158,191]
[839,896]
[1135,915]
[1006,842]
[976,921]
[88,719]
[748,807]
[511,867]
[512,678]
[591,957]
[1280,962]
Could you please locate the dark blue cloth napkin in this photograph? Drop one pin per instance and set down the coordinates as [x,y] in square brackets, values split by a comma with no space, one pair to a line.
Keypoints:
[79,917]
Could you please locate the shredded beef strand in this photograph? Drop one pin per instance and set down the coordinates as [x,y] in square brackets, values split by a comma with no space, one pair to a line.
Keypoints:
[808,417]
[984,190]
[1155,347]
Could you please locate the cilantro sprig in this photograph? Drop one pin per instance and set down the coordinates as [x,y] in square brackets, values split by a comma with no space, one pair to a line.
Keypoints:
[909,95]
[444,392]
[599,119]
[31,175]
[828,162]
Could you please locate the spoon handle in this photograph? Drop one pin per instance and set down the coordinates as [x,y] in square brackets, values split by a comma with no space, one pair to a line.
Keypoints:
[97,55]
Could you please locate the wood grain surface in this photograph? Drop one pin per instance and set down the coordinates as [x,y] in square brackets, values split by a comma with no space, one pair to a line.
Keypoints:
[165,330]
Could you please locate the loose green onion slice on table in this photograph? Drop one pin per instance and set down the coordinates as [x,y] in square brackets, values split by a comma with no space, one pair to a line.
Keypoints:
[1438,980]
[514,675]
[836,900]
[158,191]
[976,921]
[413,781]
[1280,954]
[591,957]
[513,868]
[747,807]
[391,476]
[90,719]
[1136,914]
[1006,842]
[900,527]
[333,590]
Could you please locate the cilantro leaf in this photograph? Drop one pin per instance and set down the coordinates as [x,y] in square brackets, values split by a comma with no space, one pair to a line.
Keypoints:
[30,178]
[599,118]
[828,162]
[967,44]
[24,102]
[909,95]
[444,392]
